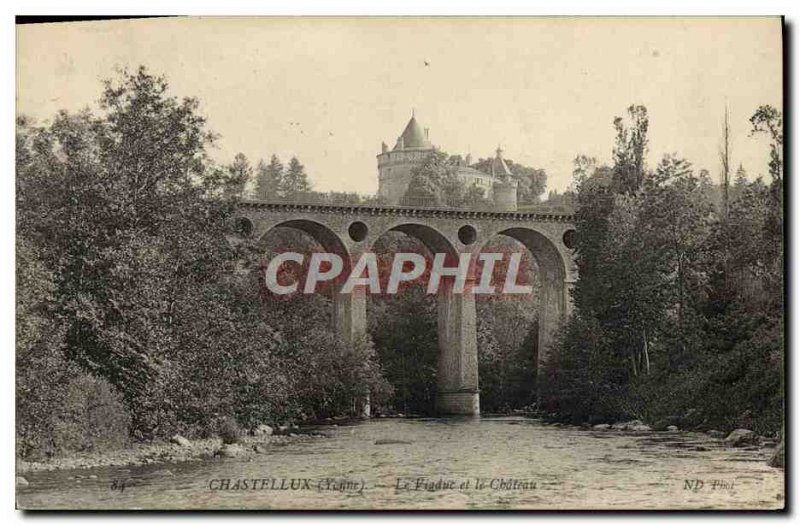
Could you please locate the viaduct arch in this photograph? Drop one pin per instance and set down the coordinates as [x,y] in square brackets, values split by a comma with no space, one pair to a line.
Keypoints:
[350,231]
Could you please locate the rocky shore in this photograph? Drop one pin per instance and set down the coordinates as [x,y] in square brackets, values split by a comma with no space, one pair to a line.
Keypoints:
[177,449]
[737,438]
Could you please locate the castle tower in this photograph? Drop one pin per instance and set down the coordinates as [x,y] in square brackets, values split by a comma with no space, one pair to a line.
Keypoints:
[505,186]
[394,167]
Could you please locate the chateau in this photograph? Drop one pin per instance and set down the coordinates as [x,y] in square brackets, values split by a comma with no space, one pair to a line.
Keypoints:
[413,145]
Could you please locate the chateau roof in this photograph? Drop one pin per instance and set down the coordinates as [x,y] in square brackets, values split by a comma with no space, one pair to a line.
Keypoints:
[413,137]
[499,166]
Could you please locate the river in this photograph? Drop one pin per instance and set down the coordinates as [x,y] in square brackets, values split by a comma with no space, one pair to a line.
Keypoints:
[486,463]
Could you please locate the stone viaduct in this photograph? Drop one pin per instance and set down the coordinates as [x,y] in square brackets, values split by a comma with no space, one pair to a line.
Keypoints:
[351,230]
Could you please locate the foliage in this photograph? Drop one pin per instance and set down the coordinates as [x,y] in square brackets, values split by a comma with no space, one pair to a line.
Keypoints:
[275,183]
[769,120]
[404,329]
[269,179]
[239,174]
[678,306]
[531,181]
[60,408]
[134,221]
[294,183]
[507,354]
[434,183]
[630,150]
[229,431]
[342,378]
[133,307]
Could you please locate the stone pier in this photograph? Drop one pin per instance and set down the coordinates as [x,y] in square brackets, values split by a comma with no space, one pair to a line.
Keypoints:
[457,373]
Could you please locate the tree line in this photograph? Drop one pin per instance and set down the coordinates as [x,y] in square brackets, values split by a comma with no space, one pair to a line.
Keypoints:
[274,182]
[679,309]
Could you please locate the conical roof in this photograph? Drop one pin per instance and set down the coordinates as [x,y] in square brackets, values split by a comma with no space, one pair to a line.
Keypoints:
[413,136]
[499,166]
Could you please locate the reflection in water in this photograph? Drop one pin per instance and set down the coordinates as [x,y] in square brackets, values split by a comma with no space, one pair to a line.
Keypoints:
[487,463]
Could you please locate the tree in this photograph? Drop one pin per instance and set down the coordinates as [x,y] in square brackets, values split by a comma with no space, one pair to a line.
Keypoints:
[675,216]
[129,209]
[768,120]
[475,197]
[239,174]
[403,327]
[269,179]
[531,181]
[508,336]
[744,314]
[725,161]
[433,182]
[630,149]
[295,180]
[583,168]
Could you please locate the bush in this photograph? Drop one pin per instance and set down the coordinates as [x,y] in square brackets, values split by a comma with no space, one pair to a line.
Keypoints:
[69,414]
[584,380]
[507,354]
[229,431]
[333,377]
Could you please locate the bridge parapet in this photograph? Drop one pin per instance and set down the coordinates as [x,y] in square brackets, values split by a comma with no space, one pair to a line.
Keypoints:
[543,214]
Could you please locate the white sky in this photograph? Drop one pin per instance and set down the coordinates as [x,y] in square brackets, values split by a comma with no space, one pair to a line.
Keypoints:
[546,89]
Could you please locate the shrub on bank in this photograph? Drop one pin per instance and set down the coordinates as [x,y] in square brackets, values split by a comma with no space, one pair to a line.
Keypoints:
[69,411]
[229,431]
[740,388]
[60,408]
[337,378]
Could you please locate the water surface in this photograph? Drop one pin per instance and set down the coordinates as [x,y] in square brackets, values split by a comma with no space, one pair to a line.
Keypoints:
[486,463]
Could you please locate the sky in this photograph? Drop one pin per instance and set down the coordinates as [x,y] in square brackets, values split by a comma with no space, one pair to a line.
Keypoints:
[329,90]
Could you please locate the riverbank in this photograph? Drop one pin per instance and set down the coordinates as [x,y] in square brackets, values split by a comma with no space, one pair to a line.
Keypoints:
[163,452]
[183,450]
[737,438]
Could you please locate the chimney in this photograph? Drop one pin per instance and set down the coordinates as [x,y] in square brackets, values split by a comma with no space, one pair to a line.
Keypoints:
[426,133]
[384,147]
[468,159]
